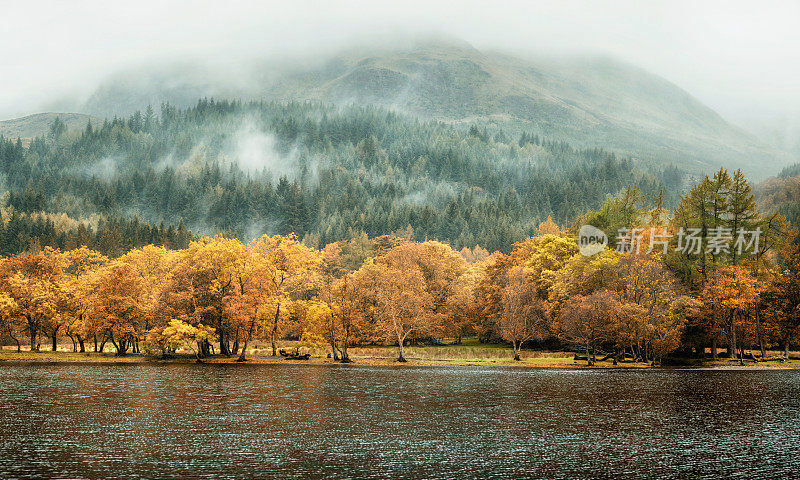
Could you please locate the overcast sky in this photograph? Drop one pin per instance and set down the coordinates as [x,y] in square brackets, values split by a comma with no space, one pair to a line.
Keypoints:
[738,57]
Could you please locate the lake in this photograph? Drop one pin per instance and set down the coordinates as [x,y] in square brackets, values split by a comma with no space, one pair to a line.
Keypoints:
[307,421]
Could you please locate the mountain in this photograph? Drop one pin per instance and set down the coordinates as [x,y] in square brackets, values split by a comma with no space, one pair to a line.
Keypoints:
[586,101]
[781,130]
[39,124]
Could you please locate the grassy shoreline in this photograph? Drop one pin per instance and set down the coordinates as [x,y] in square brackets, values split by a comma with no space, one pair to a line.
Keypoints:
[468,354]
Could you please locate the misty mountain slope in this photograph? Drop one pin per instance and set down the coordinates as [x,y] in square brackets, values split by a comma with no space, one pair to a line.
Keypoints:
[586,101]
[39,124]
[782,194]
[319,171]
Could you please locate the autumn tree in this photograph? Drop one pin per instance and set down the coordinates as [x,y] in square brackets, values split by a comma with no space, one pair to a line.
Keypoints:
[488,292]
[154,265]
[727,298]
[322,318]
[9,319]
[542,257]
[656,309]
[524,315]
[336,315]
[254,297]
[350,302]
[292,269]
[444,272]
[548,227]
[116,305]
[76,287]
[178,335]
[333,315]
[31,279]
[204,275]
[782,296]
[474,255]
[581,275]
[588,321]
[462,307]
[396,297]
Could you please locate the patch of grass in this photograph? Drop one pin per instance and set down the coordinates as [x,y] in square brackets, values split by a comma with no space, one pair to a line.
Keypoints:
[469,352]
[9,354]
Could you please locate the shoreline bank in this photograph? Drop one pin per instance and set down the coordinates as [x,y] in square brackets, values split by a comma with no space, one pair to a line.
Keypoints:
[551,360]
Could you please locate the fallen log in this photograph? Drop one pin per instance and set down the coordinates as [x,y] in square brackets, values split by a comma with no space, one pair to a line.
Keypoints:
[304,356]
[601,359]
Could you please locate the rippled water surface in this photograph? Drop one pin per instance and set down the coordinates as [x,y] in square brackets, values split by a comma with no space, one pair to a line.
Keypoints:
[302,421]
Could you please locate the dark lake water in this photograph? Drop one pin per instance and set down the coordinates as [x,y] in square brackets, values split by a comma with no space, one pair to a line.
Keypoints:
[282,421]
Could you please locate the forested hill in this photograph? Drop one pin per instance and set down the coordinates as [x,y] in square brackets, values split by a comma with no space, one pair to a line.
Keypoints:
[38,124]
[782,193]
[317,170]
[585,101]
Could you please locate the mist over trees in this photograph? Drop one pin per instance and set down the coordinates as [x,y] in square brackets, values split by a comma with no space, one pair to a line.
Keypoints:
[321,172]
[341,226]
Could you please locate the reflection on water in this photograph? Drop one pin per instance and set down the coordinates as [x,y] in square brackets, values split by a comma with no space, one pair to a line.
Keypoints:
[304,421]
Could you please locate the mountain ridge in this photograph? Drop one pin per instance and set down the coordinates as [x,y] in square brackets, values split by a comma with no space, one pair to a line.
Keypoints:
[588,101]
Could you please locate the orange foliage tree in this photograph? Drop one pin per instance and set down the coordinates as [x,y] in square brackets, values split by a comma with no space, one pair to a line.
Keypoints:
[116,305]
[32,281]
[395,297]
[589,321]
[202,278]
[292,271]
[524,315]
[727,298]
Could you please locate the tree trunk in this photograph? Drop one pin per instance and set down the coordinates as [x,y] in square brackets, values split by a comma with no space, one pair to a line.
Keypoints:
[274,332]
[223,343]
[401,358]
[33,340]
[247,338]
[760,330]
[334,350]
[80,343]
[95,342]
[714,348]
[55,339]
[516,350]
[235,348]
[244,349]
[345,356]
[120,347]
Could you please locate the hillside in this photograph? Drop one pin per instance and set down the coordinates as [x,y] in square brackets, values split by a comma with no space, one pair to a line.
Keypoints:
[586,101]
[39,124]
[782,193]
[319,171]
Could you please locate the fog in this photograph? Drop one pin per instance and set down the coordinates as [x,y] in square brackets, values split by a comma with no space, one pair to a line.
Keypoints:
[741,58]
